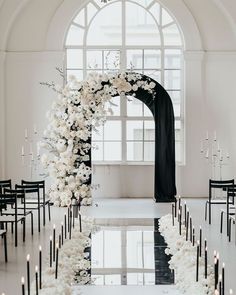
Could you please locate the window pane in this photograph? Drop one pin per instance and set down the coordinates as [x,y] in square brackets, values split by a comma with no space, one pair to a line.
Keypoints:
[135,279]
[106,26]
[148,241]
[97,151]
[111,59]
[172,35]
[112,130]
[154,74]
[155,10]
[114,104]
[149,130]
[112,151]
[134,59]
[138,23]
[134,151]
[80,18]
[144,3]
[146,111]
[113,280]
[152,59]
[166,18]
[134,249]
[175,97]
[112,248]
[94,59]
[134,130]
[149,151]
[91,10]
[77,73]
[172,59]
[97,252]
[97,134]
[134,107]
[172,79]
[75,36]
[74,58]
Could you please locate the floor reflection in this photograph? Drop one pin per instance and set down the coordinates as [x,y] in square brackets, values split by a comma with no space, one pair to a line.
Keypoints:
[126,252]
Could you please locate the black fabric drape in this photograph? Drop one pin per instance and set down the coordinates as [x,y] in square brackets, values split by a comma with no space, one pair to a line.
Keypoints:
[162,110]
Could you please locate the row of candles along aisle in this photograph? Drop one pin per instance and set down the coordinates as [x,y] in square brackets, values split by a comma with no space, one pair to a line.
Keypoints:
[66,229]
[190,235]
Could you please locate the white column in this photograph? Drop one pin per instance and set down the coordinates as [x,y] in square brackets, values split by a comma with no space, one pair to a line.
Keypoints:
[2,114]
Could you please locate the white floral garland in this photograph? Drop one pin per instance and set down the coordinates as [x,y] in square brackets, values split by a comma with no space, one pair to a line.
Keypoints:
[73,265]
[183,260]
[80,106]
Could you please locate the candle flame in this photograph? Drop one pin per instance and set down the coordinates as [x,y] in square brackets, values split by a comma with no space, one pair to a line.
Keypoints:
[50,238]
[36,268]
[40,248]
[22,280]
[28,257]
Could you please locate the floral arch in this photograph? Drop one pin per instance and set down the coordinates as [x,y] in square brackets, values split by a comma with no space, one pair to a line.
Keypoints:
[83,105]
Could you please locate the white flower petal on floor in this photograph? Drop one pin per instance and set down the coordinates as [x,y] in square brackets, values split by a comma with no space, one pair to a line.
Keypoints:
[183,260]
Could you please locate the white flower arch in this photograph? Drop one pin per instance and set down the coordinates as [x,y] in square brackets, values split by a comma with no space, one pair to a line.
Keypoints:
[81,106]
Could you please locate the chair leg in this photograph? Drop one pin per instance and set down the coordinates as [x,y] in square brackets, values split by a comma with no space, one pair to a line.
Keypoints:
[44,220]
[205,213]
[49,212]
[32,222]
[39,219]
[24,230]
[16,234]
[221,221]
[5,246]
[209,207]
[12,231]
[229,230]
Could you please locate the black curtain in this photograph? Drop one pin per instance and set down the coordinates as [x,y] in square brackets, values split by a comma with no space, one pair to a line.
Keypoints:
[162,110]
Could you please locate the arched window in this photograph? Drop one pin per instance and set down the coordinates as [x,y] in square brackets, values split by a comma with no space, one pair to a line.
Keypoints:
[139,35]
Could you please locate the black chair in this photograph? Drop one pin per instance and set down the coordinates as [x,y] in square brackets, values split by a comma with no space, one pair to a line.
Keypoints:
[44,202]
[11,199]
[216,184]
[31,204]
[3,234]
[20,194]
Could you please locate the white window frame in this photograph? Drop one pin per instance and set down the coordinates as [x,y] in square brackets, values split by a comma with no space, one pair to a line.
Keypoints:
[122,49]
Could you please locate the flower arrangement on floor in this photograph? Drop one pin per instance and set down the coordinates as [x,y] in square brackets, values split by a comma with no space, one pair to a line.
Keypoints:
[73,265]
[183,260]
[80,107]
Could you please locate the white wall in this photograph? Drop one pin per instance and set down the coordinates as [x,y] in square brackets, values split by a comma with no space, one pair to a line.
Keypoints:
[31,40]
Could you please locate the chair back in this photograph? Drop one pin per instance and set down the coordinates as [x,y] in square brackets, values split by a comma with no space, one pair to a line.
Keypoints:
[20,194]
[219,184]
[39,183]
[5,184]
[8,199]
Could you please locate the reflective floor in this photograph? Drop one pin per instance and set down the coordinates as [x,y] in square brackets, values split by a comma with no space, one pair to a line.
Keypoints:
[129,252]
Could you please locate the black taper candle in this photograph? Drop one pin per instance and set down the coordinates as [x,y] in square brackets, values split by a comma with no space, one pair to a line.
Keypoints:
[200,241]
[54,242]
[70,224]
[223,279]
[28,273]
[191,229]
[179,218]
[80,222]
[175,208]
[59,239]
[73,211]
[36,280]
[40,267]
[56,271]
[179,202]
[173,217]
[23,285]
[65,229]
[62,234]
[220,284]
[215,272]
[205,262]
[185,214]
[50,252]
[197,265]
[68,213]
[187,225]
[193,236]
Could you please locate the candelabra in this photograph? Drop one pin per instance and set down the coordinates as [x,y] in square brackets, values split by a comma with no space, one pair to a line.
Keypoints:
[214,156]
[30,152]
